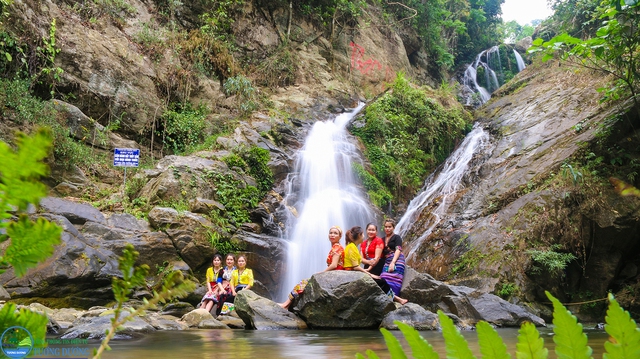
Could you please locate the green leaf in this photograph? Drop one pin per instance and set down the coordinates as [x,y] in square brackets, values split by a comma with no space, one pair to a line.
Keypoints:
[457,346]
[420,348]
[34,322]
[491,344]
[624,341]
[395,349]
[31,242]
[530,345]
[571,342]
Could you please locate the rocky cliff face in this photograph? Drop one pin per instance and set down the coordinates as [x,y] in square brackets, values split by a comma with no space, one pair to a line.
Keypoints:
[125,62]
[521,194]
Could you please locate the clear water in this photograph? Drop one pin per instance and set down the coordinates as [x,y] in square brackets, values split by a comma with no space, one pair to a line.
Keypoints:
[308,344]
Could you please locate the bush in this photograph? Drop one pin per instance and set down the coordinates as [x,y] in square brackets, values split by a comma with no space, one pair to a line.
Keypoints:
[550,261]
[183,126]
[407,134]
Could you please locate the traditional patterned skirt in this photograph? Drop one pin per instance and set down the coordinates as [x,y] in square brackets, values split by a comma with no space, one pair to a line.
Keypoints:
[298,289]
[394,279]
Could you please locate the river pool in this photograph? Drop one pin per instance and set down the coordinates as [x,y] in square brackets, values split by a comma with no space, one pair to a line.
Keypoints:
[308,344]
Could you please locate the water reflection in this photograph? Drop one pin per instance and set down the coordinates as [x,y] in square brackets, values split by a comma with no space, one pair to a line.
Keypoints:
[310,344]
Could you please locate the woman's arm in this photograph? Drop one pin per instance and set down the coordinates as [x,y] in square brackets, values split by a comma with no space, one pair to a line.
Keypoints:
[334,263]
[250,277]
[396,254]
[234,282]
[377,257]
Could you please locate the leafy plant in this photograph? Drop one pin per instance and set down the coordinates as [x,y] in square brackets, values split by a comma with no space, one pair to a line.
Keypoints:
[550,260]
[183,126]
[570,340]
[49,51]
[30,241]
[222,245]
[507,290]
[174,286]
[246,93]
[407,133]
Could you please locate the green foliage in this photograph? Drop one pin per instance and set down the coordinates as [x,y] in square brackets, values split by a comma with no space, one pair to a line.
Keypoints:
[550,260]
[219,17]
[30,241]
[222,245]
[468,261]
[407,134]
[378,194]
[530,345]
[491,344]
[570,340]
[455,344]
[241,87]
[236,196]
[613,49]
[624,332]
[34,322]
[507,290]
[183,126]
[514,32]
[48,52]
[19,106]
[255,162]
[174,286]
[257,159]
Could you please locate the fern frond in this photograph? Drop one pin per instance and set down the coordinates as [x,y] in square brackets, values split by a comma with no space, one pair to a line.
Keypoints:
[530,345]
[395,349]
[420,348]
[571,341]
[457,346]
[624,341]
[31,242]
[491,344]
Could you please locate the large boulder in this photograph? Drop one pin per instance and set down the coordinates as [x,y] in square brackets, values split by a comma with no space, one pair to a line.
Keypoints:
[343,299]
[262,314]
[413,315]
[468,304]
[266,255]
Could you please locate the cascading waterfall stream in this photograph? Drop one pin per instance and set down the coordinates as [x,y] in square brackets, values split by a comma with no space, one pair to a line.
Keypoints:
[442,187]
[328,194]
[489,61]
[519,60]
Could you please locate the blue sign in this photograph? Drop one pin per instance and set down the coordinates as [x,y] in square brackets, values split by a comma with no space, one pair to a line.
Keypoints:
[126,157]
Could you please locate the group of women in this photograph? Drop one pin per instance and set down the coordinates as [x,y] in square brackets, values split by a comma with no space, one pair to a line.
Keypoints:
[224,282]
[382,259]
[388,272]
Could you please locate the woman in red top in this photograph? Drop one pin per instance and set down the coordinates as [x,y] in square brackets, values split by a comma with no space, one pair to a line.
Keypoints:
[372,250]
[335,260]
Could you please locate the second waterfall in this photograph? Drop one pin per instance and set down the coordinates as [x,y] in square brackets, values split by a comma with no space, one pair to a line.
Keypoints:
[325,192]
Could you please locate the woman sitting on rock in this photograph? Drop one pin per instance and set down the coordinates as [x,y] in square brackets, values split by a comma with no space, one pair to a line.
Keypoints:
[241,278]
[372,251]
[393,271]
[335,260]
[352,260]
[215,290]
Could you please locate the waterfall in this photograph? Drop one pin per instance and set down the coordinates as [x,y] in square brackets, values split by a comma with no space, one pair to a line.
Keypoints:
[519,60]
[326,193]
[489,61]
[439,189]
